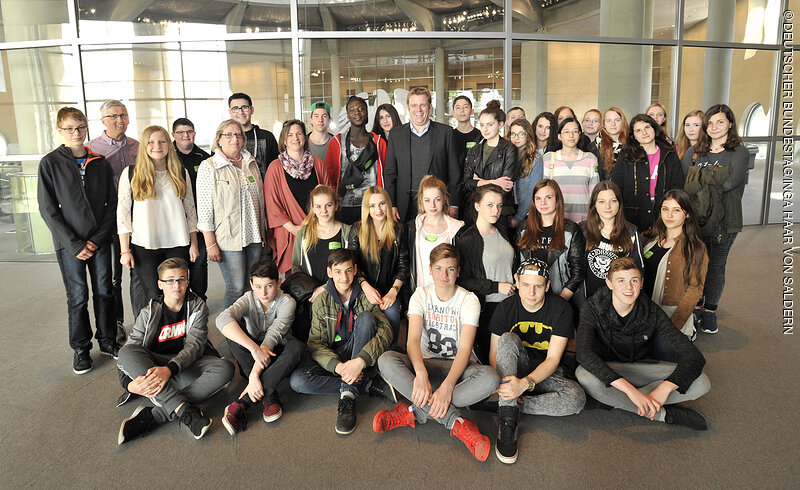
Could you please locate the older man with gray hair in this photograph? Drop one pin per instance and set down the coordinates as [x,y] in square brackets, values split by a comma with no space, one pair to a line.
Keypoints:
[119,151]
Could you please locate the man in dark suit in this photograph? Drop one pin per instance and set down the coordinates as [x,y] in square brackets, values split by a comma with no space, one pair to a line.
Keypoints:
[416,149]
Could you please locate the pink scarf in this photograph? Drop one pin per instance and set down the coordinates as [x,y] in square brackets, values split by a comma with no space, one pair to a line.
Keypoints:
[298,170]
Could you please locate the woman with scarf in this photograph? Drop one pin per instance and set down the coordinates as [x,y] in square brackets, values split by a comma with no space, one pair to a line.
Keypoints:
[290,179]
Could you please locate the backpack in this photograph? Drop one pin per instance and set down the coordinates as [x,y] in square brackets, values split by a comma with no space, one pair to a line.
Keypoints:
[704,186]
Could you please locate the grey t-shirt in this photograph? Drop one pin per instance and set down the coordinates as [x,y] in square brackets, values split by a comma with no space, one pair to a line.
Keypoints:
[498,257]
[319,151]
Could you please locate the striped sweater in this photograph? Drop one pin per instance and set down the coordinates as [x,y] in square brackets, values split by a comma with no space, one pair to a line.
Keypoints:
[576,178]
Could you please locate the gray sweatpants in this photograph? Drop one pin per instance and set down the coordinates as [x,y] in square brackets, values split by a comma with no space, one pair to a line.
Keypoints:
[644,376]
[476,383]
[555,396]
[193,384]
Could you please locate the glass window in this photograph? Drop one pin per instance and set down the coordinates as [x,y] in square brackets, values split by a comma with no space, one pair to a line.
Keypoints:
[400,16]
[785,186]
[753,197]
[193,18]
[41,82]
[34,20]
[161,82]
[752,22]
[548,75]
[733,76]
[609,18]
[383,71]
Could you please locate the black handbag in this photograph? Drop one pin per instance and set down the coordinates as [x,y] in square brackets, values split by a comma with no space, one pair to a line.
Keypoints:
[300,286]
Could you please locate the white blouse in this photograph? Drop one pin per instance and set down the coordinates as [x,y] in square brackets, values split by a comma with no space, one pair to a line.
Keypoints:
[163,222]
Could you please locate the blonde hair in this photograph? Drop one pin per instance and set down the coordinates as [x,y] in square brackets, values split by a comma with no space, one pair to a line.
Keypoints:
[371,244]
[311,221]
[431,182]
[221,128]
[143,180]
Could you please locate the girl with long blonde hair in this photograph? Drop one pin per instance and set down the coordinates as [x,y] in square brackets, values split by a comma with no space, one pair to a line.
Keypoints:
[382,251]
[156,216]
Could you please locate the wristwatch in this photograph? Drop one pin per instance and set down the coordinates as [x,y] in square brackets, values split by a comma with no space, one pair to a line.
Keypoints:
[396,288]
[531,384]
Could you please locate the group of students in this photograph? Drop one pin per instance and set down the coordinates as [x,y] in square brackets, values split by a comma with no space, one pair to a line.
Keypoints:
[326,242]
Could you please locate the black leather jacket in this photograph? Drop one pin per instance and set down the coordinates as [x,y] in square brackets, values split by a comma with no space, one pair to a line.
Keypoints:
[567,265]
[473,274]
[502,162]
[395,259]
[634,181]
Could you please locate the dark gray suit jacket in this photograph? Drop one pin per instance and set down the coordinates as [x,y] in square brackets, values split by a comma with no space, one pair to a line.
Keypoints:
[397,169]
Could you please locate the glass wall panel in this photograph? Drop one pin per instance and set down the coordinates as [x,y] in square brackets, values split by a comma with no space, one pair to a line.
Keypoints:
[383,71]
[34,20]
[740,21]
[730,76]
[610,18]
[785,183]
[34,84]
[552,74]
[161,82]
[753,197]
[400,15]
[194,18]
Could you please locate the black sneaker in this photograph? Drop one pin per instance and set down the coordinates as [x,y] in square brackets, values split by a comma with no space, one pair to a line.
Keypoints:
[140,422]
[194,419]
[81,362]
[686,416]
[381,388]
[346,418]
[709,322]
[122,335]
[697,318]
[111,349]
[506,445]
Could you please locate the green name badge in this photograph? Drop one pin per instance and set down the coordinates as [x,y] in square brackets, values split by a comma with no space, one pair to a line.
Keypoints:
[431,238]
[368,164]
[338,338]
[196,167]
[648,254]
[470,144]
[334,246]
[251,179]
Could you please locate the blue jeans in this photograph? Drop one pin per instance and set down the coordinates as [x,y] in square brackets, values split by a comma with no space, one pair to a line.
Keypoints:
[715,277]
[235,268]
[313,379]
[394,314]
[73,272]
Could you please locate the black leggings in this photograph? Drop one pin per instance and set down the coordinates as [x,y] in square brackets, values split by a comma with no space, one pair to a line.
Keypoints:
[145,264]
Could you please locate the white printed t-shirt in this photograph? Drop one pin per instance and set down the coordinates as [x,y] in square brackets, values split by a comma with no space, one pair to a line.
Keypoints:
[442,320]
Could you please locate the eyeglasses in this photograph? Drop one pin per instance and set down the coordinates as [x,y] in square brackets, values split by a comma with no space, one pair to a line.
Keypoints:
[517,135]
[188,132]
[238,108]
[231,136]
[114,117]
[79,129]
[171,282]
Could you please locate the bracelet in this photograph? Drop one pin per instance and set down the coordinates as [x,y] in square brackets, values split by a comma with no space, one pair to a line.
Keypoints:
[209,247]
[531,384]
[125,252]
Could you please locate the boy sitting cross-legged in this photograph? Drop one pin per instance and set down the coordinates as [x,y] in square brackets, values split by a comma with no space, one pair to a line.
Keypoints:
[257,328]
[169,360]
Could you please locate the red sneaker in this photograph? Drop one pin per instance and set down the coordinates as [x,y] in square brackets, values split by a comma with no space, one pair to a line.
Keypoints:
[399,416]
[468,433]
[272,408]
[235,418]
